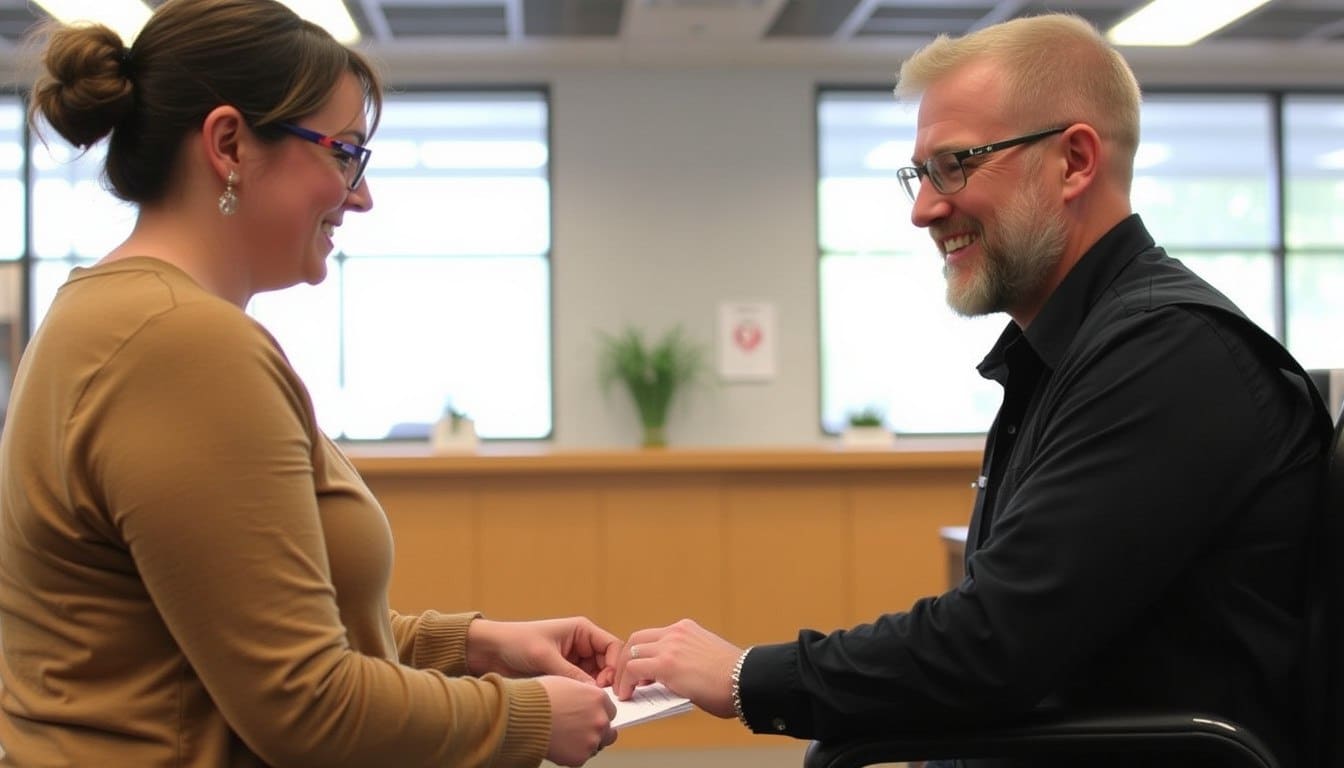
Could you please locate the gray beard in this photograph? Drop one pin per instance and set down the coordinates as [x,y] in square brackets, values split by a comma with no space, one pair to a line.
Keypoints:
[1016,262]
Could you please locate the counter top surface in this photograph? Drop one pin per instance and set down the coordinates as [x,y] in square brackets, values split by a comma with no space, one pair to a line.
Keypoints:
[511,458]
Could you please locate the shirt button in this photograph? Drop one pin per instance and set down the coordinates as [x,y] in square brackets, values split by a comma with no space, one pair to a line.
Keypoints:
[779,724]
[1012,429]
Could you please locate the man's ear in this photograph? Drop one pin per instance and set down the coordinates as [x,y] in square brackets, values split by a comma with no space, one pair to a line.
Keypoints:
[1082,159]
[222,134]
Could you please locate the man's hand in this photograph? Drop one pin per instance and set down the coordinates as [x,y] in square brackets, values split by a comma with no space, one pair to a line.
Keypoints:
[689,659]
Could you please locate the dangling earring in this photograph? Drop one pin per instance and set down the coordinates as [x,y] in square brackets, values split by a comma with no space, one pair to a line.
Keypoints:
[228,201]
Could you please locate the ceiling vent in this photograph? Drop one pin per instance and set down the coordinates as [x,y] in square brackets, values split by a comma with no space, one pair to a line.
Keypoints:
[689,21]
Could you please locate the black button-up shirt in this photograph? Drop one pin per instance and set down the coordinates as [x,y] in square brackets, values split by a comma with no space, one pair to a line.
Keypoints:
[1139,538]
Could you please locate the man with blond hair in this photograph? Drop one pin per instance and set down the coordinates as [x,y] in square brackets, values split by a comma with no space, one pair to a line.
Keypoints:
[1141,529]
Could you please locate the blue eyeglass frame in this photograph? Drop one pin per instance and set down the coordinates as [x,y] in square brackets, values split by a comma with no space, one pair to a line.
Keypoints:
[355,152]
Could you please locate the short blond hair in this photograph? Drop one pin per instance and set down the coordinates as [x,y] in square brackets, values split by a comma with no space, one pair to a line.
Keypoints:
[1058,69]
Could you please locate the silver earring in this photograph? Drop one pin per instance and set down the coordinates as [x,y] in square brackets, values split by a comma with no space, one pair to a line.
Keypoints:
[228,201]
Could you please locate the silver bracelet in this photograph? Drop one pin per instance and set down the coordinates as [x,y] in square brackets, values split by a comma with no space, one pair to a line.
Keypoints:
[737,689]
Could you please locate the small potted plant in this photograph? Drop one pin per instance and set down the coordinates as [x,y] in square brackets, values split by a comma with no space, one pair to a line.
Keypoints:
[453,432]
[652,374]
[866,428]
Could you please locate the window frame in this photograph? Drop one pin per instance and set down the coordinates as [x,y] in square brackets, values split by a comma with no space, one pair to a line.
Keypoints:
[1277,245]
[540,92]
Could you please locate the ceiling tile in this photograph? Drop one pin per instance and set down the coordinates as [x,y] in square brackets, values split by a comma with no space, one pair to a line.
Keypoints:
[385,22]
[811,18]
[572,18]
[1102,15]
[907,20]
[1275,23]
[15,23]
[446,21]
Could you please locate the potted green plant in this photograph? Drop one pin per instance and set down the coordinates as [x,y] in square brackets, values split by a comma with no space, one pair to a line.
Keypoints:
[453,432]
[867,427]
[652,374]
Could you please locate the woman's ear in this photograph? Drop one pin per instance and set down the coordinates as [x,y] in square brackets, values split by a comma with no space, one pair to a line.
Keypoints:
[1082,159]
[222,134]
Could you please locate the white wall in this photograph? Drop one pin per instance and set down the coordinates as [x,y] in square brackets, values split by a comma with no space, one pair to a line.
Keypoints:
[681,184]
[673,192]
[677,188]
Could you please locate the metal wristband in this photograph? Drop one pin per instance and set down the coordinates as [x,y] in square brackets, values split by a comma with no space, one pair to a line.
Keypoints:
[737,689]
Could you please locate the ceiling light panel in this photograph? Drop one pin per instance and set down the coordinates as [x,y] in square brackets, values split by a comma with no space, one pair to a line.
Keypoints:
[1173,22]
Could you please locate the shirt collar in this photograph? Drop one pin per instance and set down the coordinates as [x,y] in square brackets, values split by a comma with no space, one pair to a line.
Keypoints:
[1051,333]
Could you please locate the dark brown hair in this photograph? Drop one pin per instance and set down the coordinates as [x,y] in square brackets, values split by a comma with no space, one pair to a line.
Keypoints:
[192,56]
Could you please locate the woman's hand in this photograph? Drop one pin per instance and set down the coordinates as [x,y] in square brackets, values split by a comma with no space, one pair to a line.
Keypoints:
[573,647]
[580,720]
[687,658]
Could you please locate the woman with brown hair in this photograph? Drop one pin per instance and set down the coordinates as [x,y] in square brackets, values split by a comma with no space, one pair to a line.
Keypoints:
[191,573]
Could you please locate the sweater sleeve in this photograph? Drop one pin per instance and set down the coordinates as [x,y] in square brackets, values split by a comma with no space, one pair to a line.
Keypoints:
[438,641]
[433,640]
[196,441]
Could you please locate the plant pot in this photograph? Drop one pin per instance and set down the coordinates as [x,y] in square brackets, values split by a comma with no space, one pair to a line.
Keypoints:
[867,437]
[453,436]
[655,436]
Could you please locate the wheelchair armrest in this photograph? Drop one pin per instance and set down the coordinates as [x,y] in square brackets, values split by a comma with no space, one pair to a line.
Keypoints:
[1042,736]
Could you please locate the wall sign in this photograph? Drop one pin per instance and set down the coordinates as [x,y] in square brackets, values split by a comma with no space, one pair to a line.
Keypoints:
[746,341]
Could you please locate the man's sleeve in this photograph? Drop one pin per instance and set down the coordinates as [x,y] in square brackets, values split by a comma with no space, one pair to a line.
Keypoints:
[1144,456]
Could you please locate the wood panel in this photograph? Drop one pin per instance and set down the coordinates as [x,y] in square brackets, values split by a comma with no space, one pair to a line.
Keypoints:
[434,536]
[538,548]
[753,544]
[664,554]
[896,526]
[788,554]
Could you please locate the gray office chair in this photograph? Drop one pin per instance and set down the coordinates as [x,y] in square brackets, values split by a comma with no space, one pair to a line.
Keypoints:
[1206,738]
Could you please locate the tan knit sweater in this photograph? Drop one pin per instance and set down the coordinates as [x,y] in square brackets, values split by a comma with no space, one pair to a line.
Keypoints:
[191,574]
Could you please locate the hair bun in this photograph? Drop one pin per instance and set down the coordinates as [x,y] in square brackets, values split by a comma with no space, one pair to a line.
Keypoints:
[124,58]
[87,89]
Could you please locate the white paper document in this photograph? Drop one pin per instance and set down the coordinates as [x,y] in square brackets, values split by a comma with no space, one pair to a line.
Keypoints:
[649,702]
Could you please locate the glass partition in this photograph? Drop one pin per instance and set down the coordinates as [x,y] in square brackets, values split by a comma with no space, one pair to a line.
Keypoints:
[1207,183]
[1313,128]
[439,296]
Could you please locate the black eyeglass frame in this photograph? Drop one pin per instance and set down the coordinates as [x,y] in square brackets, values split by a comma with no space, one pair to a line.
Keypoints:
[910,175]
[360,155]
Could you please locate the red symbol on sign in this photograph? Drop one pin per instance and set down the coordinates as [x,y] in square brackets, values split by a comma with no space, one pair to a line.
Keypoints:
[747,336]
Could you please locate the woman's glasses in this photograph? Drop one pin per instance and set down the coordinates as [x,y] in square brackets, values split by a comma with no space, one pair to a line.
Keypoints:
[355,157]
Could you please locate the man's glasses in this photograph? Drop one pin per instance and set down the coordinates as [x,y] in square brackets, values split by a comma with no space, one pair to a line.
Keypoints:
[946,171]
[354,157]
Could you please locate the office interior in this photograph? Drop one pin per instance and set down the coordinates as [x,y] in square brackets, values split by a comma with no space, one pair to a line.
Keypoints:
[682,177]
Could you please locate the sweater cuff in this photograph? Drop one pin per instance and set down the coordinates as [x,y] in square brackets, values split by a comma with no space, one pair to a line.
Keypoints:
[528,734]
[441,642]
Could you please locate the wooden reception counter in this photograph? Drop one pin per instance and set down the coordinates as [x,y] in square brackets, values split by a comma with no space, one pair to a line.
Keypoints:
[752,543]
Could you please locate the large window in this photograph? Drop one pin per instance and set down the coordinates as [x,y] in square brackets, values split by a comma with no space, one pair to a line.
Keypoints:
[75,219]
[13,231]
[1207,182]
[437,297]
[440,295]
[1204,181]
[12,224]
[1313,128]
[888,339]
